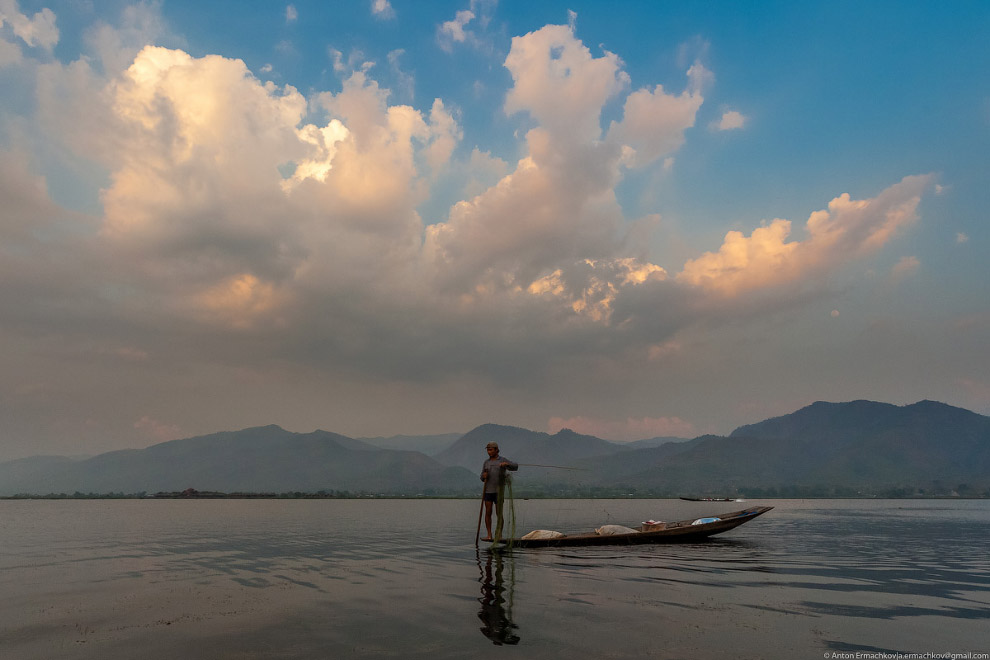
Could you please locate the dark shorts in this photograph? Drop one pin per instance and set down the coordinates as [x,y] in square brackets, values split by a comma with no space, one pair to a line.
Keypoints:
[491,497]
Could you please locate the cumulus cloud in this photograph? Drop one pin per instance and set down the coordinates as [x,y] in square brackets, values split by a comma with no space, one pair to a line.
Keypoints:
[847,229]
[445,135]
[654,122]
[382,9]
[483,171]
[291,14]
[114,47]
[10,53]
[259,223]
[38,31]
[457,31]
[730,120]
[45,253]
[453,31]
[558,81]
[354,61]
[556,210]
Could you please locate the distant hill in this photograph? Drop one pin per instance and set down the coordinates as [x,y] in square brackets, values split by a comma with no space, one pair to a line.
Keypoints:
[649,443]
[262,459]
[427,444]
[840,449]
[857,448]
[879,445]
[854,448]
[524,446]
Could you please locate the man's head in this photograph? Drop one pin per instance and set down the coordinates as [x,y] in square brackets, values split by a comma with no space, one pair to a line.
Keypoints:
[492,448]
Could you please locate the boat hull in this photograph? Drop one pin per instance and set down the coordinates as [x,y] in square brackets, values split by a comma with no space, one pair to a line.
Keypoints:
[683,531]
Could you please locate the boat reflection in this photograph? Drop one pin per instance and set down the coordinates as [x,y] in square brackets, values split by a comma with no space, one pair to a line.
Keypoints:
[496,597]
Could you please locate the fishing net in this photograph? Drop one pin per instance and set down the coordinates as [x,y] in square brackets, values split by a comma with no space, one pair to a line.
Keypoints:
[504,484]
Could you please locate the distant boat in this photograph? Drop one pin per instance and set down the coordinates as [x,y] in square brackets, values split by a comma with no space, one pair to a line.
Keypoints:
[711,499]
[684,531]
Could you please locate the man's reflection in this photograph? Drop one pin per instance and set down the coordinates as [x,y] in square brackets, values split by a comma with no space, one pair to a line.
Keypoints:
[496,600]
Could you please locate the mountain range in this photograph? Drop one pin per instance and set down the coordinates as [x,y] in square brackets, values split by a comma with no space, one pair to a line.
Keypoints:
[858,448]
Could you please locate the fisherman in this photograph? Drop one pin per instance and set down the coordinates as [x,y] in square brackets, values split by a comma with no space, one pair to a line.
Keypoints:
[493,473]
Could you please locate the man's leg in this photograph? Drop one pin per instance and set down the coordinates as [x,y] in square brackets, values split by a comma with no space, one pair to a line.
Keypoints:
[498,513]
[488,519]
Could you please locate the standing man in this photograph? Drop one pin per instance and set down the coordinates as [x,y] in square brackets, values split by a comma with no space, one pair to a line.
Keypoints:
[492,473]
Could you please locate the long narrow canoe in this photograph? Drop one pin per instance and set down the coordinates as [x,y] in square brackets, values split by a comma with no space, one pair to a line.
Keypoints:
[684,531]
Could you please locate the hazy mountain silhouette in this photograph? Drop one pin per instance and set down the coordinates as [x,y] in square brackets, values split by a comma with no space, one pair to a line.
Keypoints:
[523,446]
[649,443]
[427,444]
[858,447]
[262,459]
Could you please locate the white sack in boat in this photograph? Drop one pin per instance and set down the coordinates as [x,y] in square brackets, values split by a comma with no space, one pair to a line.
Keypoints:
[610,530]
[543,534]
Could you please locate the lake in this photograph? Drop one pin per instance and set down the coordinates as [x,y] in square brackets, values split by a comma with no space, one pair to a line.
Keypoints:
[191,579]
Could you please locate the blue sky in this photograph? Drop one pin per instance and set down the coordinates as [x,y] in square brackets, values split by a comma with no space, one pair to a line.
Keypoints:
[386,217]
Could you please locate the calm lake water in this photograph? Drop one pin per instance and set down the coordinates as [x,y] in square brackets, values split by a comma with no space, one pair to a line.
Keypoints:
[147,579]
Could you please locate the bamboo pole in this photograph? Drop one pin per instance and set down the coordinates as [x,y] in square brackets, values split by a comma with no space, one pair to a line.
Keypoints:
[477,534]
[558,467]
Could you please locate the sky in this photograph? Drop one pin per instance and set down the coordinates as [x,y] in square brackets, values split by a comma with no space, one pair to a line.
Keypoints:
[391,217]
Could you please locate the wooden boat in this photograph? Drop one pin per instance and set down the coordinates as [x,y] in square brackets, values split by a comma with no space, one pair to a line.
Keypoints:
[684,531]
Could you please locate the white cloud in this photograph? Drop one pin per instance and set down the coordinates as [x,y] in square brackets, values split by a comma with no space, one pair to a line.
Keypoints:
[558,81]
[731,120]
[556,210]
[482,172]
[353,62]
[256,223]
[961,238]
[847,229]
[10,53]
[116,46]
[453,32]
[404,82]
[445,134]
[653,124]
[38,31]
[382,9]
[456,31]
[291,14]
[904,268]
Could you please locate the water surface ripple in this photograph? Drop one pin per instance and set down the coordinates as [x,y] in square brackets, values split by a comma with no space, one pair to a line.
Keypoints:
[402,578]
